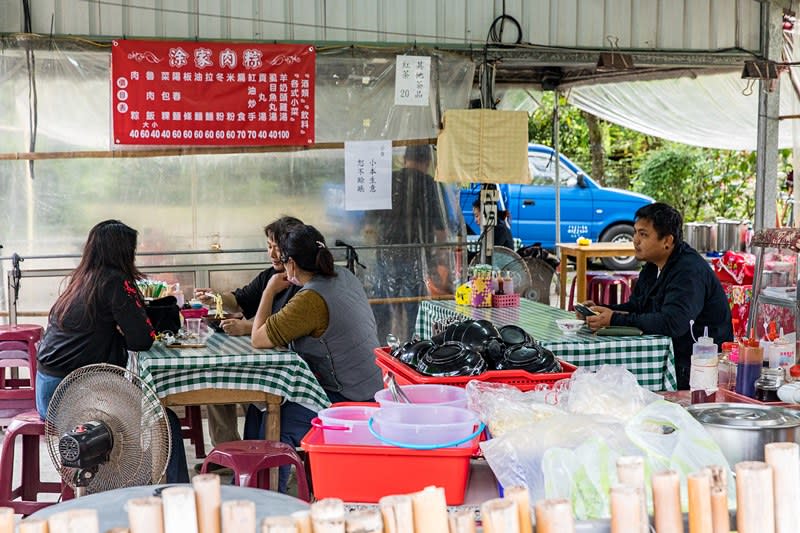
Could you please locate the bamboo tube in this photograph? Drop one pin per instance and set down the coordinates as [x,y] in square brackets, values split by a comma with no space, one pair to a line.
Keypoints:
[784,458]
[6,519]
[364,521]
[238,516]
[145,515]
[302,519]
[398,514]
[430,510]
[699,490]
[74,521]
[554,516]
[208,498]
[32,526]
[499,515]
[278,524]
[329,525]
[668,517]
[326,509]
[720,518]
[180,511]
[461,521]
[630,472]
[626,509]
[519,495]
[755,501]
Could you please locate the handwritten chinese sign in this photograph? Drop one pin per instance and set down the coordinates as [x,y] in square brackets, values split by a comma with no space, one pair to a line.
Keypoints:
[367,175]
[204,93]
[412,80]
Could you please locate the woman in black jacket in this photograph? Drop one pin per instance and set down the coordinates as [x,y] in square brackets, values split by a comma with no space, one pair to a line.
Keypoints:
[97,319]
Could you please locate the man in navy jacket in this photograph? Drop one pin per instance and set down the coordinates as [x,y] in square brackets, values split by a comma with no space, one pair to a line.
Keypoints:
[675,286]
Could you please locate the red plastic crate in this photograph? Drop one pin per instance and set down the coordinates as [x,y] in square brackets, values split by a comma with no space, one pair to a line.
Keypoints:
[520,379]
[368,473]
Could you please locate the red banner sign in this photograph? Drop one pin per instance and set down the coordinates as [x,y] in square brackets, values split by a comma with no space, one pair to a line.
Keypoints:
[203,93]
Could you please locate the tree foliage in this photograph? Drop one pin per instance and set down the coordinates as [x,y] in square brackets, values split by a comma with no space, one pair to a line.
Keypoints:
[703,183]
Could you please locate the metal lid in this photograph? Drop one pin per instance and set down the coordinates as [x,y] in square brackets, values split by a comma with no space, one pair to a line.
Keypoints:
[743,415]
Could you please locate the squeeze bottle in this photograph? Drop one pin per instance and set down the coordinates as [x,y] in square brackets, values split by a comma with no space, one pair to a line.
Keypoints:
[703,379]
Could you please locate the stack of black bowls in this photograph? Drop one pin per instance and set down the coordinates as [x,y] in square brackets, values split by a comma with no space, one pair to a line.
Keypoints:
[471,347]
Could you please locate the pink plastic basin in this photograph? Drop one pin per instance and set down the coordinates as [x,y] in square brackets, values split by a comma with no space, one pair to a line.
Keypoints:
[425,424]
[428,394]
[347,425]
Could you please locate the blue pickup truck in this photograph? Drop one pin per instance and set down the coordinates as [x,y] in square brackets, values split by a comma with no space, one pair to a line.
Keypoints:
[601,214]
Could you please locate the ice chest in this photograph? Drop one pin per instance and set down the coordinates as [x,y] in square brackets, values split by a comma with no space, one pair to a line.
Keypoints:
[368,473]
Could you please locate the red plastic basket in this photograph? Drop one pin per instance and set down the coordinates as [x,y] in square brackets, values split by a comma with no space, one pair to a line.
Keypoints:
[520,379]
[505,300]
[368,473]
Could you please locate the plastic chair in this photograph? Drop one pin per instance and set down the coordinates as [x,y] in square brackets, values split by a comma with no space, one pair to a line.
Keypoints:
[18,350]
[609,289]
[30,427]
[250,459]
[589,276]
[192,429]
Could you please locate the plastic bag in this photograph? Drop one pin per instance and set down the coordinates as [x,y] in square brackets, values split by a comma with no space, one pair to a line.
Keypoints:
[672,439]
[504,408]
[611,391]
[518,457]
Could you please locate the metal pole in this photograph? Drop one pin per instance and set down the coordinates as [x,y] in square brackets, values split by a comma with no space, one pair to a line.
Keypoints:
[768,112]
[558,166]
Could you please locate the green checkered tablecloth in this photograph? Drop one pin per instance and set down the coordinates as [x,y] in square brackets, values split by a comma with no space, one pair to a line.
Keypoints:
[230,363]
[649,357]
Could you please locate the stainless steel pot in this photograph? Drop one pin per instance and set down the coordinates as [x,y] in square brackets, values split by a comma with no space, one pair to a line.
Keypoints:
[702,236]
[729,235]
[741,430]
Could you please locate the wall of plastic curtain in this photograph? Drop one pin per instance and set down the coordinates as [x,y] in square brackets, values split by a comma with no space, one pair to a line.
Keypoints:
[54,100]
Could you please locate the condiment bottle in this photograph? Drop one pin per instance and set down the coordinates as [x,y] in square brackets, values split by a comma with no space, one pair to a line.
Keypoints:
[509,282]
[748,370]
[727,367]
[767,385]
[703,379]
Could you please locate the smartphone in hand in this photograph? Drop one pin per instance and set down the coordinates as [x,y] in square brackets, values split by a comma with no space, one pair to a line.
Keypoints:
[583,310]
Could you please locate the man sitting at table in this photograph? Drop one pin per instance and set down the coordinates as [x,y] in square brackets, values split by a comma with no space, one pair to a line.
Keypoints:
[675,286]
[222,419]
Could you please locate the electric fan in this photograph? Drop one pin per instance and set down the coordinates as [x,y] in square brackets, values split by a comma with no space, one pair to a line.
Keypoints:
[544,281]
[106,429]
[507,260]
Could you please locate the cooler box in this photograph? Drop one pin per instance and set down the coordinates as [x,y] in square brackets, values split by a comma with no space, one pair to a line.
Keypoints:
[368,473]
[520,379]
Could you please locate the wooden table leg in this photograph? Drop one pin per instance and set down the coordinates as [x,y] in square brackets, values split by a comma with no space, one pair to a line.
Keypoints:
[272,431]
[580,271]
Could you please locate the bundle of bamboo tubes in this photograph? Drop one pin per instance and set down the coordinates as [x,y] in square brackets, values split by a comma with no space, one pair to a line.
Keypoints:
[767,501]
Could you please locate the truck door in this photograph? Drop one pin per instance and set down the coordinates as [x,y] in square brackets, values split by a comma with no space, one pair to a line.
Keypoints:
[535,203]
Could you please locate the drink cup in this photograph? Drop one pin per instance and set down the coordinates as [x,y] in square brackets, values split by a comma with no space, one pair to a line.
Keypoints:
[193,327]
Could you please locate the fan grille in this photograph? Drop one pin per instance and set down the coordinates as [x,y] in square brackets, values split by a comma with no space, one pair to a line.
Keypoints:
[507,260]
[131,410]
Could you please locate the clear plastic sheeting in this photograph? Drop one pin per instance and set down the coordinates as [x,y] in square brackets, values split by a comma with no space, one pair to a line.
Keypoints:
[59,90]
[713,110]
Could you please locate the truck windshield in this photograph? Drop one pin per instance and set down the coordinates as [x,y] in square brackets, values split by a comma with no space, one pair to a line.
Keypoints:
[543,171]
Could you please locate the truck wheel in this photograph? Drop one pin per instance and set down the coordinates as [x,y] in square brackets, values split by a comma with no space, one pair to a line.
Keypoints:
[619,233]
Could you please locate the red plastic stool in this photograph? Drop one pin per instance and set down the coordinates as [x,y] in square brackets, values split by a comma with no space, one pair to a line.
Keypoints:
[17,350]
[30,427]
[589,276]
[250,459]
[609,289]
[192,429]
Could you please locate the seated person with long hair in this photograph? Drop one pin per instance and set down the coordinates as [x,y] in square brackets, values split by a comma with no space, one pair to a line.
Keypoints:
[97,319]
[329,323]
